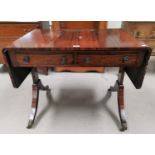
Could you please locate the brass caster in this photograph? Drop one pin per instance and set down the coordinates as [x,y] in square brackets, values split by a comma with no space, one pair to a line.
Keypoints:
[30,123]
[124,126]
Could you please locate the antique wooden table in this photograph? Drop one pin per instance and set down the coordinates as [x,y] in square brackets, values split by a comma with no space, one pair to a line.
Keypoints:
[108,48]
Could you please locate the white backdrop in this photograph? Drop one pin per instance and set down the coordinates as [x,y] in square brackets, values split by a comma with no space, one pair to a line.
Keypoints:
[114,24]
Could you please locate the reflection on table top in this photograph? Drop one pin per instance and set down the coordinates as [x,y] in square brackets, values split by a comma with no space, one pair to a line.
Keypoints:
[78,39]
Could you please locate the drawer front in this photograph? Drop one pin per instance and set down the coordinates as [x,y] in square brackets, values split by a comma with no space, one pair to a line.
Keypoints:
[32,60]
[108,60]
[41,60]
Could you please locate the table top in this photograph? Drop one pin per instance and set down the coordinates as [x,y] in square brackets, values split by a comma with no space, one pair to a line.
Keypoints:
[78,39]
[108,43]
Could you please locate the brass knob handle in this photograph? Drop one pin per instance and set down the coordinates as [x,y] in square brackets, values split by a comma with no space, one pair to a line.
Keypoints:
[63,60]
[26,59]
[87,59]
[125,59]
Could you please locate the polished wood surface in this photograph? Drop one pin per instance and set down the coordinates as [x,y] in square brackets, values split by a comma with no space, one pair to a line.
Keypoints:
[78,25]
[10,31]
[98,25]
[46,59]
[86,48]
[78,40]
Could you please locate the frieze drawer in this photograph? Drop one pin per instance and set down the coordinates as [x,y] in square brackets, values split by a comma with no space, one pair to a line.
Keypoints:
[108,60]
[32,60]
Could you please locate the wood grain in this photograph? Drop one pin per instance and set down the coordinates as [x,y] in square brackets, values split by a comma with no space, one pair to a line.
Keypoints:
[98,25]
[10,31]
[114,48]
[86,40]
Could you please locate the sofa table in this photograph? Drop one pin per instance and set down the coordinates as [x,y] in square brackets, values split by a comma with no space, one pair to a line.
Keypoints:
[86,48]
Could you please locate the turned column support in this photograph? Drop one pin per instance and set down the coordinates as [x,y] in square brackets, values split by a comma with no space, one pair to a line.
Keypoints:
[119,88]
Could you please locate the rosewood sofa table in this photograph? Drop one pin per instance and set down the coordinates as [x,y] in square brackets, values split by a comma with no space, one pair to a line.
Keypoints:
[84,48]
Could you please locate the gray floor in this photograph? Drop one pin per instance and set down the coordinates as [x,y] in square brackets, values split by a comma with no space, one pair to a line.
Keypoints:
[78,104]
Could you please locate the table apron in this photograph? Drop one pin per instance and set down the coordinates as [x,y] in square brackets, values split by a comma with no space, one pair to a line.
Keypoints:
[49,60]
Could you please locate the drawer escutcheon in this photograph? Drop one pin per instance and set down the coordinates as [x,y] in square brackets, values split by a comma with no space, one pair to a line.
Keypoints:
[63,60]
[87,59]
[125,59]
[26,59]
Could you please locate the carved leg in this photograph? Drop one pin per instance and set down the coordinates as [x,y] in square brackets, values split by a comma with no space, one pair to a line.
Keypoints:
[37,85]
[119,88]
